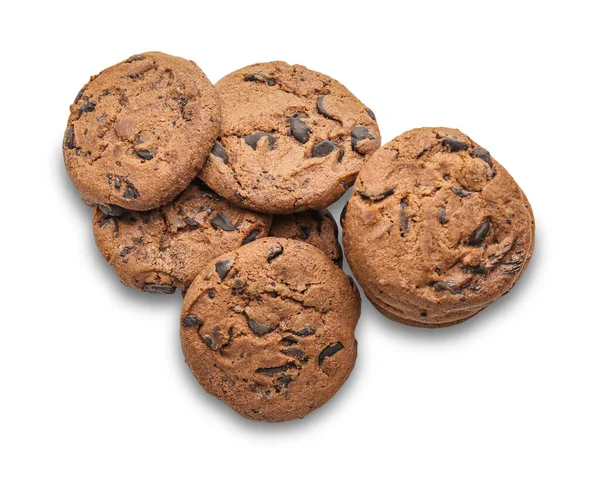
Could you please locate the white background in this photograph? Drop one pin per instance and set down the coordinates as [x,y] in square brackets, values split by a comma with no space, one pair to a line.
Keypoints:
[92,378]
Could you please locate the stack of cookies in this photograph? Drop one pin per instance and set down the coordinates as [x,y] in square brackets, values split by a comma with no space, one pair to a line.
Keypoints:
[222,192]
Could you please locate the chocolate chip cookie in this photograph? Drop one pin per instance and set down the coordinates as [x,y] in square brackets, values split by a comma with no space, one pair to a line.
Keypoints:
[292,139]
[163,249]
[436,228]
[317,228]
[269,329]
[139,131]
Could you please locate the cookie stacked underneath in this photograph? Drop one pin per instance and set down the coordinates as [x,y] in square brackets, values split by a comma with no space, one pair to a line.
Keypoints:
[222,192]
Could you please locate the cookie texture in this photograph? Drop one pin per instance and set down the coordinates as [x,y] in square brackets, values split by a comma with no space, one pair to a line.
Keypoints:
[139,131]
[436,228]
[292,139]
[269,329]
[163,249]
[317,228]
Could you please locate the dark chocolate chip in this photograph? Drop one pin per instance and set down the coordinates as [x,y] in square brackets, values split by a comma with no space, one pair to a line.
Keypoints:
[482,154]
[109,219]
[359,134]
[305,331]
[421,153]
[454,144]
[513,269]
[252,140]
[445,285]
[273,371]
[145,154]
[343,213]
[211,293]
[274,252]
[111,210]
[220,152]
[222,268]
[190,321]
[221,221]
[87,107]
[294,352]
[289,340]
[251,236]
[479,234]
[258,328]
[191,222]
[300,130]
[305,232]
[137,58]
[159,288]
[125,251]
[371,114]
[403,218]
[79,95]
[321,108]
[131,192]
[209,342]
[458,191]
[479,269]
[324,148]
[376,196]
[282,382]
[330,351]
[260,77]
[442,216]
[69,140]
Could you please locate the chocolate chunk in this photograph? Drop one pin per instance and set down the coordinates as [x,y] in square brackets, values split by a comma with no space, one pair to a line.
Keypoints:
[371,114]
[258,328]
[221,221]
[69,140]
[273,371]
[455,144]
[131,192]
[282,382]
[479,269]
[274,252]
[343,213]
[251,236]
[79,95]
[445,285]
[376,196]
[482,154]
[111,210]
[190,321]
[211,293]
[135,59]
[460,192]
[479,234]
[300,130]
[191,222]
[289,340]
[125,251]
[145,154]
[109,219]
[330,351]
[159,288]
[403,218]
[360,133]
[260,77]
[324,148]
[305,232]
[321,108]
[222,268]
[305,331]
[294,352]
[87,107]
[252,140]
[220,152]
[442,216]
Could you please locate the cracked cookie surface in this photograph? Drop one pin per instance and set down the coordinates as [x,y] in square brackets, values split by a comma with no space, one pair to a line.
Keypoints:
[316,227]
[269,329]
[163,249]
[292,139]
[139,131]
[436,228]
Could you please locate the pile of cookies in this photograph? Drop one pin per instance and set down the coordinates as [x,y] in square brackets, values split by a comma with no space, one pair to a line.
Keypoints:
[221,191]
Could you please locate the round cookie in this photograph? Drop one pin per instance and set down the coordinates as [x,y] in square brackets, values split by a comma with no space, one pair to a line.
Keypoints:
[292,139]
[139,131]
[436,229]
[163,249]
[317,228]
[269,329]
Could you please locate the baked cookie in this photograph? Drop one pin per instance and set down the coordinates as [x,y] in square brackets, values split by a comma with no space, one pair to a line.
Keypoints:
[269,329]
[317,228]
[436,228]
[291,139]
[160,250]
[139,131]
